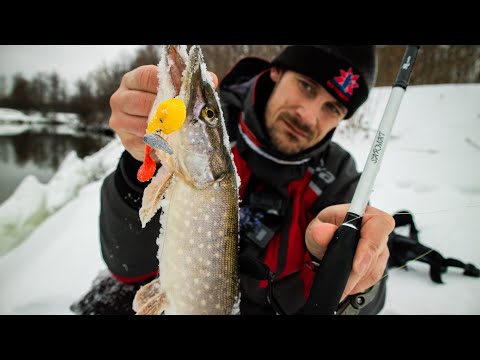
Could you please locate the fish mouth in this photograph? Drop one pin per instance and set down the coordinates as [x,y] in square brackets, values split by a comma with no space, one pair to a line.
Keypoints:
[192,84]
[197,86]
[198,143]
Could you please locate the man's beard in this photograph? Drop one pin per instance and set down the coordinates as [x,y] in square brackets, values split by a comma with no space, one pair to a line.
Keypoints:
[286,142]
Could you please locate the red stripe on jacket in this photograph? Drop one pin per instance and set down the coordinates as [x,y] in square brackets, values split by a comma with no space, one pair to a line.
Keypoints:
[297,254]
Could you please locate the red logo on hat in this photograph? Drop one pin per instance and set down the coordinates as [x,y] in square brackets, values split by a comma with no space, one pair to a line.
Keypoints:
[346,82]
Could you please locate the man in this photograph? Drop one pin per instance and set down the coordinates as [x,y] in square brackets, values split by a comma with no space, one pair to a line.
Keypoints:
[281,117]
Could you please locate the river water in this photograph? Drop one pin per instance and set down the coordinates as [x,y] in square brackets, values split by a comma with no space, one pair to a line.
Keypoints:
[39,150]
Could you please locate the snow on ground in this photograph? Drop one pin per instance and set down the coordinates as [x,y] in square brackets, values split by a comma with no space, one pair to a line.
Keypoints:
[9,129]
[11,115]
[7,115]
[431,167]
[14,129]
[57,262]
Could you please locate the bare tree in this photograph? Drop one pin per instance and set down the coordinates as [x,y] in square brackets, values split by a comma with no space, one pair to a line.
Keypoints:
[220,58]
[4,96]
[83,102]
[436,64]
[57,94]
[20,96]
[39,91]
[146,55]
[3,86]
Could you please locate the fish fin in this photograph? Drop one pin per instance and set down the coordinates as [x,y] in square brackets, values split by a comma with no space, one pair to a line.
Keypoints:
[155,306]
[150,299]
[153,194]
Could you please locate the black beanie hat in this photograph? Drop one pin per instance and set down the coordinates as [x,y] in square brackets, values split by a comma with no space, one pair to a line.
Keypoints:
[346,72]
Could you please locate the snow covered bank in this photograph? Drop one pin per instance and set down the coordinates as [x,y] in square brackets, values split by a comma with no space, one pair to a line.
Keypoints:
[32,201]
[57,262]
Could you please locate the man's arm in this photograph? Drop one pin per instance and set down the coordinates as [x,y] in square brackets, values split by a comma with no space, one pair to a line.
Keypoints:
[128,250]
[372,248]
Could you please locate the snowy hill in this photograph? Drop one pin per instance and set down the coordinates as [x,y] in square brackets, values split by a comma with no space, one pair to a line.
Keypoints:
[431,167]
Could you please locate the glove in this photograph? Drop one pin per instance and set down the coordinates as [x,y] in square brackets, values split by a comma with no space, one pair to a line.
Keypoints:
[107,296]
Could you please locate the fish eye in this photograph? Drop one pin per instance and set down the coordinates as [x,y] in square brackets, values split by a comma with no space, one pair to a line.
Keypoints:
[209,113]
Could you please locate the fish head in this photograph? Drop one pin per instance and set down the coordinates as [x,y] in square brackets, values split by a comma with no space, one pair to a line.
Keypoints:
[172,63]
[202,148]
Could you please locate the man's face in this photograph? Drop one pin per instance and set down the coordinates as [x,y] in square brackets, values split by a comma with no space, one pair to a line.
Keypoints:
[300,112]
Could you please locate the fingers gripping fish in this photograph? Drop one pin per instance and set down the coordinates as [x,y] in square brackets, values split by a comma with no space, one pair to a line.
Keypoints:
[197,190]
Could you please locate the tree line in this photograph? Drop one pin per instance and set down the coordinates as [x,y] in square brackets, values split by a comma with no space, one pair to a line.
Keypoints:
[47,92]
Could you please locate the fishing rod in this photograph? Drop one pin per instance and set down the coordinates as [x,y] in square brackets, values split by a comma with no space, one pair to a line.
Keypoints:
[333,272]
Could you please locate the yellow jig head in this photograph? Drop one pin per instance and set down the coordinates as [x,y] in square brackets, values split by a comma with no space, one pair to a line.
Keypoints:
[169,116]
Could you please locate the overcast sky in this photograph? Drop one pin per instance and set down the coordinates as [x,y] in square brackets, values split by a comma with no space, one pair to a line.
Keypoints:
[70,61]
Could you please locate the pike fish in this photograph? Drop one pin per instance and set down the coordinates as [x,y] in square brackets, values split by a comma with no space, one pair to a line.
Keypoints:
[196,189]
